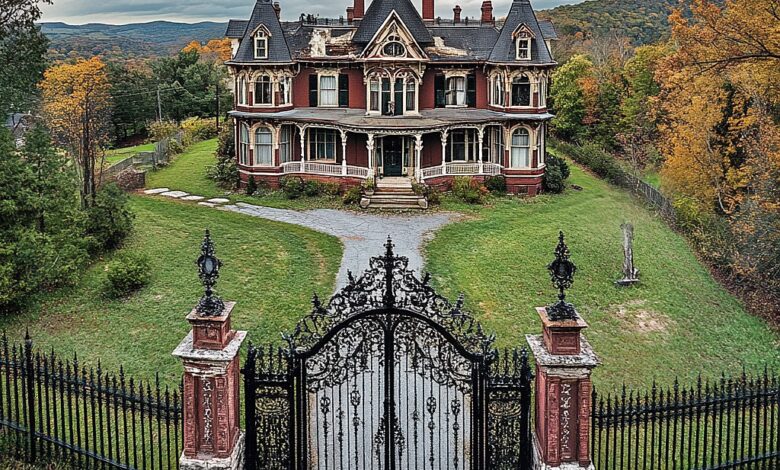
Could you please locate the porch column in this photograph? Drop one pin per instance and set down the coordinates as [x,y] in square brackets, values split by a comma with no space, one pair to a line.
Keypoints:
[564,362]
[481,137]
[444,135]
[302,132]
[370,147]
[209,353]
[343,153]
[418,147]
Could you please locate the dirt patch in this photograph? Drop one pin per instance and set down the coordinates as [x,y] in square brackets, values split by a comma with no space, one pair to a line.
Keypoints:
[642,320]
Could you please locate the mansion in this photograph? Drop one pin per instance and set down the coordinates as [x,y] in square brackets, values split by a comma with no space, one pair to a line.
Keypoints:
[389,92]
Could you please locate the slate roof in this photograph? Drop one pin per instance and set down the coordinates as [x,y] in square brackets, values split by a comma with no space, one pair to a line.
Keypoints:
[278,52]
[548,29]
[477,41]
[377,14]
[521,12]
[236,28]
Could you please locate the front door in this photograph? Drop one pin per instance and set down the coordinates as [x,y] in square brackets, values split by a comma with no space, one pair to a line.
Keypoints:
[392,156]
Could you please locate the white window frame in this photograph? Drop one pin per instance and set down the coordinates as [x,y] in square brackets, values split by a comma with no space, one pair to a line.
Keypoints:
[260,37]
[243,144]
[335,90]
[470,145]
[497,92]
[410,87]
[270,84]
[242,90]
[286,135]
[317,137]
[374,95]
[523,45]
[451,89]
[263,148]
[285,91]
[517,147]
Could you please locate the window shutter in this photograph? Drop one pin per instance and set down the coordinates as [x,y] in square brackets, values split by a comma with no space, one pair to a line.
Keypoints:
[343,90]
[313,90]
[438,85]
[471,90]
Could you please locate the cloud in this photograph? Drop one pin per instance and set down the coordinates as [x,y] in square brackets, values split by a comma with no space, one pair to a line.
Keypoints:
[131,11]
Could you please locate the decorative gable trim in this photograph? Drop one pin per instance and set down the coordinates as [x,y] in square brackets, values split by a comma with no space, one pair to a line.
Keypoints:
[393,30]
[523,31]
[261,28]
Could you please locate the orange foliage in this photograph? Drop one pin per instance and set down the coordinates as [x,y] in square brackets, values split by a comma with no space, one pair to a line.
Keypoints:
[216,49]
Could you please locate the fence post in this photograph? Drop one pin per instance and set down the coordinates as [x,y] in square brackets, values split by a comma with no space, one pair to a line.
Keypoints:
[249,406]
[30,396]
[564,362]
[209,353]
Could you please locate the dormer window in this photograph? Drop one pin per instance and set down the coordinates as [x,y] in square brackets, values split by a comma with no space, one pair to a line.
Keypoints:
[394,49]
[261,45]
[523,48]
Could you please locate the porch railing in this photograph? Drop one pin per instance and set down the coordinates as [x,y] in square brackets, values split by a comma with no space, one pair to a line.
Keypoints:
[327,169]
[462,169]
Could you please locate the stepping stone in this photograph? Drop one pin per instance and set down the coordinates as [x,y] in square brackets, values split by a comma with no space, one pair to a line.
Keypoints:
[156,191]
[174,194]
[219,200]
[192,198]
[207,204]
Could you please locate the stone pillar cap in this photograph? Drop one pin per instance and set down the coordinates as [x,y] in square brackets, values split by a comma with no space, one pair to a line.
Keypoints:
[586,358]
[186,350]
[578,323]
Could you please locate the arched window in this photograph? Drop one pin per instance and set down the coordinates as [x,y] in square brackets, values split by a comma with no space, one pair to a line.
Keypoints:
[521,91]
[521,149]
[243,147]
[263,147]
[241,90]
[497,94]
[263,90]
[394,49]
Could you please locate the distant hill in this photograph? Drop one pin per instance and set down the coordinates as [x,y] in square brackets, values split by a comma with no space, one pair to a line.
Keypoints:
[140,40]
[642,21]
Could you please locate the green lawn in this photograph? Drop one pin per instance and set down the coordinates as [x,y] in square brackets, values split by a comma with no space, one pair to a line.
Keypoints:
[678,321]
[187,173]
[117,155]
[270,268]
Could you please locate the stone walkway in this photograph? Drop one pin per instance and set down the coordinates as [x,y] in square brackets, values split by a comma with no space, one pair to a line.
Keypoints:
[363,235]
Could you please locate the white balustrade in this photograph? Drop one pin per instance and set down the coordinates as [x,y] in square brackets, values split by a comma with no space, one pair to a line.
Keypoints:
[460,169]
[327,169]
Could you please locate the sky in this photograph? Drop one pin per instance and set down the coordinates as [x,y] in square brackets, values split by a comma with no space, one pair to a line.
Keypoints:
[192,11]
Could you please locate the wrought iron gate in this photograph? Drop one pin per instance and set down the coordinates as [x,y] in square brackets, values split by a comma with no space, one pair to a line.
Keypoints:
[389,375]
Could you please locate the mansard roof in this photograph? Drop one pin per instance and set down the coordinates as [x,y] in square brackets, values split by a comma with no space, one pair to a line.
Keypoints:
[462,43]
[236,28]
[263,14]
[504,51]
[548,29]
[378,12]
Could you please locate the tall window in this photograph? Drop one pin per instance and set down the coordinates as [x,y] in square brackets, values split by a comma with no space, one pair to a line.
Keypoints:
[494,145]
[264,155]
[497,95]
[411,95]
[242,90]
[243,148]
[521,91]
[261,45]
[521,149]
[285,144]
[328,91]
[523,49]
[322,144]
[456,91]
[462,145]
[285,90]
[263,90]
[373,91]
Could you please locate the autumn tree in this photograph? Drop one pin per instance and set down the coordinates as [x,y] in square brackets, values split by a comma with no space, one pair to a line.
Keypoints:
[568,97]
[77,107]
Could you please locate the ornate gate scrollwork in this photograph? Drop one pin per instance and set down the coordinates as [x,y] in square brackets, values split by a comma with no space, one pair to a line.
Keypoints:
[387,375]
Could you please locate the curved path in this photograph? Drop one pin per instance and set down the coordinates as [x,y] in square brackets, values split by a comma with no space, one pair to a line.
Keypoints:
[363,235]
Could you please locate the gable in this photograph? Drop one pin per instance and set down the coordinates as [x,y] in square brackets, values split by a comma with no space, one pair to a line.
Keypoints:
[377,14]
[393,41]
[522,31]
[263,16]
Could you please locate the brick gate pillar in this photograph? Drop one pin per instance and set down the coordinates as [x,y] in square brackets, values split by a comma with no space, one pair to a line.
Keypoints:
[212,438]
[564,361]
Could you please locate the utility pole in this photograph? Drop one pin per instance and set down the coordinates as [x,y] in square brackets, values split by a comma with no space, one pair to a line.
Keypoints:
[217,98]
[159,105]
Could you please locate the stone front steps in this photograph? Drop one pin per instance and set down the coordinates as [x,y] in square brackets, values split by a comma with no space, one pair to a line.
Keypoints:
[394,194]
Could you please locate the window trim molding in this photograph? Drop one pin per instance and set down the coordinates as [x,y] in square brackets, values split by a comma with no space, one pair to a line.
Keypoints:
[531,146]
[335,76]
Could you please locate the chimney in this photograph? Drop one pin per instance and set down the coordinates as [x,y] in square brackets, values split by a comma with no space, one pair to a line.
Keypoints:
[487,12]
[359,9]
[427,13]
[278,10]
[457,10]
[350,14]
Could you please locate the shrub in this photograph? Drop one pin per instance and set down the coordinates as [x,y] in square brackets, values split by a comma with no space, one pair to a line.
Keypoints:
[312,188]
[291,186]
[225,171]
[555,174]
[353,195]
[160,130]
[431,193]
[331,189]
[496,184]
[197,129]
[126,274]
[369,184]
[174,147]
[469,190]
[251,186]
[109,221]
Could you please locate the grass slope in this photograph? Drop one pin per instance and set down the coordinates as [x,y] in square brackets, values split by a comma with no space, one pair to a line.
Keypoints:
[678,321]
[270,268]
[117,155]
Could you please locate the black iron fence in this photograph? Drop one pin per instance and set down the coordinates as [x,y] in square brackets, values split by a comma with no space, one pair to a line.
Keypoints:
[54,409]
[729,423]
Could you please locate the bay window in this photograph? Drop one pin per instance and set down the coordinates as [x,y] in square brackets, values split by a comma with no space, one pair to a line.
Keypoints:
[462,145]
[322,144]
[521,149]
[328,91]
[241,90]
[264,155]
[497,91]
[411,96]
[285,91]
[285,144]
[373,95]
[263,90]
[521,91]
[243,145]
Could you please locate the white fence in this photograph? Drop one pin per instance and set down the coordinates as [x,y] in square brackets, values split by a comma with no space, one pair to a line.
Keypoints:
[326,169]
[462,169]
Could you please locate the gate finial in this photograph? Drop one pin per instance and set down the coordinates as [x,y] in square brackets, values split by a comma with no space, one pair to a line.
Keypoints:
[210,305]
[389,261]
[562,271]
